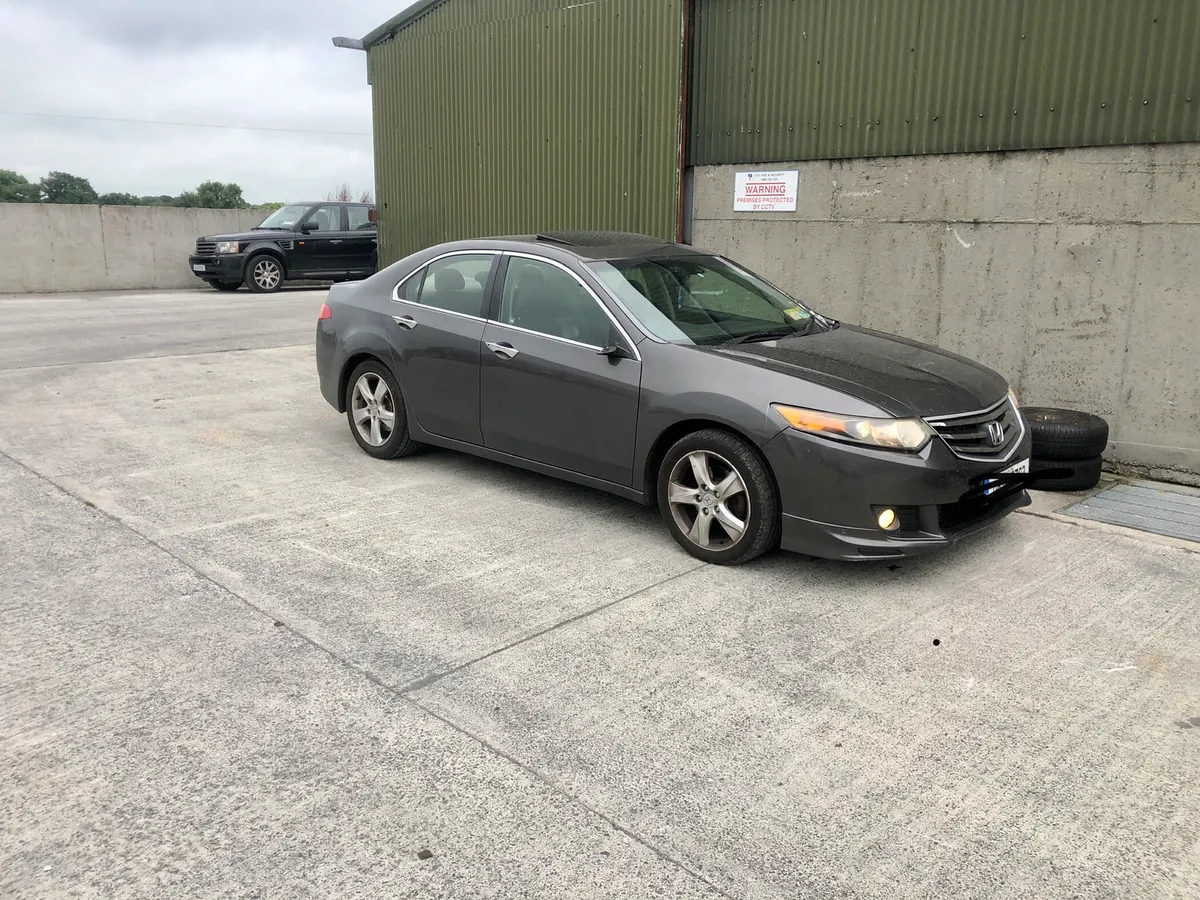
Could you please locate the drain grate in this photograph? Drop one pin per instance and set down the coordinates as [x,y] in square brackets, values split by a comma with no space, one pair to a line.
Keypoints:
[1157,510]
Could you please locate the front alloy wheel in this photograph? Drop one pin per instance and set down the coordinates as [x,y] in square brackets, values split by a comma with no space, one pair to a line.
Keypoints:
[264,275]
[718,497]
[708,500]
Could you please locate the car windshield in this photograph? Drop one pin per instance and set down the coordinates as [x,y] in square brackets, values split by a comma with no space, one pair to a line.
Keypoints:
[705,300]
[284,217]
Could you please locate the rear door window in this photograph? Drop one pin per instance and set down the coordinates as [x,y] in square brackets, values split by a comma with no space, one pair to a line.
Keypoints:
[454,284]
[360,218]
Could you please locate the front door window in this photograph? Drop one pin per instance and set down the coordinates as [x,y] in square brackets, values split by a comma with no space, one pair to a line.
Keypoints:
[541,297]
[326,218]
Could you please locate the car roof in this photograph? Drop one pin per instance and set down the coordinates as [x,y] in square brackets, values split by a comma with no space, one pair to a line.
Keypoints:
[589,245]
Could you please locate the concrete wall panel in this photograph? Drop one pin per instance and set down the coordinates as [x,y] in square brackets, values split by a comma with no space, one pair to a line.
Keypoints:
[902,280]
[1070,272]
[1159,398]
[988,278]
[25,258]
[1077,316]
[63,247]
[77,258]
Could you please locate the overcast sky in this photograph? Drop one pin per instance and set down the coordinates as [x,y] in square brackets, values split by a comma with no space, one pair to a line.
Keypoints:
[261,63]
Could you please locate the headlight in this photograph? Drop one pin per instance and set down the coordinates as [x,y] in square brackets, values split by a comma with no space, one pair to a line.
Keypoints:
[227,246]
[893,434]
[1012,398]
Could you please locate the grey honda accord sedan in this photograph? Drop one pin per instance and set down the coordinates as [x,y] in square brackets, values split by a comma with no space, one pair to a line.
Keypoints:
[676,378]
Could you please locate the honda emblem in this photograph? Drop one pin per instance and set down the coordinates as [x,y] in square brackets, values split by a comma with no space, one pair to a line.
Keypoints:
[995,433]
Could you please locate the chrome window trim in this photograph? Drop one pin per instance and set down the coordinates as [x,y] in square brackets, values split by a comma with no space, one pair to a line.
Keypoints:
[495,252]
[583,284]
[934,421]
[396,287]
[438,309]
[549,337]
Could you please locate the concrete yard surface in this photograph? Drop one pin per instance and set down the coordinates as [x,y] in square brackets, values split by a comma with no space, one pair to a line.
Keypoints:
[240,658]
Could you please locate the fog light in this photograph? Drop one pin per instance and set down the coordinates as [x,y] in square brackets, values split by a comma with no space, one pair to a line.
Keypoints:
[888,520]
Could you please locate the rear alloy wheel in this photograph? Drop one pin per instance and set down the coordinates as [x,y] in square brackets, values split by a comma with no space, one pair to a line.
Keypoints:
[224,285]
[376,413]
[264,274]
[718,498]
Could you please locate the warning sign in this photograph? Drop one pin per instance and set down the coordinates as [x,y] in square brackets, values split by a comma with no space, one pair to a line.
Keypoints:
[765,191]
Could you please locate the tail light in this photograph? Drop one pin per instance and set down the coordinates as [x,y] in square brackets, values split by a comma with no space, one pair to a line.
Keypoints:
[326,312]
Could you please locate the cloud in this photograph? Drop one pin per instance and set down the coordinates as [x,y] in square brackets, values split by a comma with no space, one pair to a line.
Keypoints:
[262,64]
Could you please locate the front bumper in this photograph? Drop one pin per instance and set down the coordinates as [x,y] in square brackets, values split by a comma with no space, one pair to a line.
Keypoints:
[223,267]
[831,492]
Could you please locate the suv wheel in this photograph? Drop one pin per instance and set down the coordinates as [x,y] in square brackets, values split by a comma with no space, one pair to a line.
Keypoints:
[264,274]
[718,498]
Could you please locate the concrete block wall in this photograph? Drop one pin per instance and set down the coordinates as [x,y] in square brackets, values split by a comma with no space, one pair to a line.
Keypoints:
[1074,273]
[63,247]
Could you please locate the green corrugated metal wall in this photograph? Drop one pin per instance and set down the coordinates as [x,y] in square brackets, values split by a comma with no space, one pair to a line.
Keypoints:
[812,79]
[514,116]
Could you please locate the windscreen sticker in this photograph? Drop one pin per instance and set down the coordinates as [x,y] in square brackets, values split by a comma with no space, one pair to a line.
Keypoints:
[795,313]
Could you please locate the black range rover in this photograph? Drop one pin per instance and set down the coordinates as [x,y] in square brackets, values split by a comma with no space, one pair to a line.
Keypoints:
[326,241]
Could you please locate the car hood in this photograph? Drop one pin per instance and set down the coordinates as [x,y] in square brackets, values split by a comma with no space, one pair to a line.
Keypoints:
[265,235]
[900,376]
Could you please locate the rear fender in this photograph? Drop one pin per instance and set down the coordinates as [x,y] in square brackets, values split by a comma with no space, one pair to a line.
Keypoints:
[363,339]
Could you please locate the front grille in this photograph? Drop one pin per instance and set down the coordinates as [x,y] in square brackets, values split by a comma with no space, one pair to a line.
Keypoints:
[973,435]
[206,248]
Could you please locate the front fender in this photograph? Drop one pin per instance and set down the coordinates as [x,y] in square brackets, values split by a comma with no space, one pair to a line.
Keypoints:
[682,385]
[271,247]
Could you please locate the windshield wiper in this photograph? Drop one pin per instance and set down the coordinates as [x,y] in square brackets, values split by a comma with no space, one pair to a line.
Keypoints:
[763,336]
[268,228]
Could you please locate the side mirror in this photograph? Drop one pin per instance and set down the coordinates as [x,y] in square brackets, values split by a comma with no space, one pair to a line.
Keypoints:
[614,351]
[309,227]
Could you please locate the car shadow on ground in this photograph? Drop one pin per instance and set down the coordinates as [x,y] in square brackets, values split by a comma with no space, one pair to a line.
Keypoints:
[566,496]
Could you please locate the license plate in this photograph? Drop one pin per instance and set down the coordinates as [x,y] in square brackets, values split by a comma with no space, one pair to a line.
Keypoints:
[1020,468]
[197,267]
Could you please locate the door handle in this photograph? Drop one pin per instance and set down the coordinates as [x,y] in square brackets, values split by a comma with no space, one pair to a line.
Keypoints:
[406,321]
[508,351]
[338,241]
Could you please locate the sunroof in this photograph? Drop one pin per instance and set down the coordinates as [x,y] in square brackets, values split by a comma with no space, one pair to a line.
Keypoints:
[597,238]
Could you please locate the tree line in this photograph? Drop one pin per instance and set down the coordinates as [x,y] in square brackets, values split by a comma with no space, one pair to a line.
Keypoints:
[63,187]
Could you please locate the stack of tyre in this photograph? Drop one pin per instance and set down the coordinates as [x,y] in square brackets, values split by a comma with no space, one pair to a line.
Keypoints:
[1066,448]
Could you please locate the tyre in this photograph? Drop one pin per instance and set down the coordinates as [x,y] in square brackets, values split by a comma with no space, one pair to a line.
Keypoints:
[718,498]
[264,274]
[376,413]
[225,285]
[1080,474]
[1065,434]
